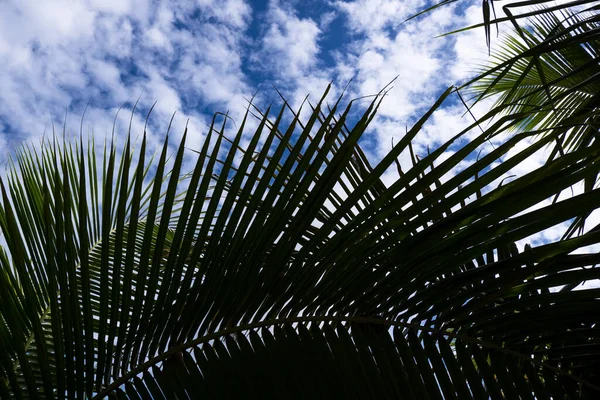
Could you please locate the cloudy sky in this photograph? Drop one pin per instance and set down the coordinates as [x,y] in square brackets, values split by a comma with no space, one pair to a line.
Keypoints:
[204,56]
[200,57]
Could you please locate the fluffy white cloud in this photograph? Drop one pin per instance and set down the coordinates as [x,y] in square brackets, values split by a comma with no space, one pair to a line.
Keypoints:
[49,22]
[58,55]
[232,12]
[375,15]
[290,43]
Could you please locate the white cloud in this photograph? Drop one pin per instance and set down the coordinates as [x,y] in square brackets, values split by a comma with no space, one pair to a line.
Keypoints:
[107,75]
[326,20]
[290,43]
[118,7]
[374,15]
[49,22]
[59,54]
[160,30]
[236,13]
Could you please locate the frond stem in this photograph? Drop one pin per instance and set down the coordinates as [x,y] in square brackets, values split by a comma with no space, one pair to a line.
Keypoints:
[380,321]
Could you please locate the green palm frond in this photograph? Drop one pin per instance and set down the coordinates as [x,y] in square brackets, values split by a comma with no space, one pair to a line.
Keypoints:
[552,67]
[288,267]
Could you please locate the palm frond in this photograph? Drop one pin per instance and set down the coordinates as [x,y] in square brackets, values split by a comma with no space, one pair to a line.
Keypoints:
[113,284]
[542,70]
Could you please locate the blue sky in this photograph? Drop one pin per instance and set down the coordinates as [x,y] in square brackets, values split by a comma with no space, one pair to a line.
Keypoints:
[199,57]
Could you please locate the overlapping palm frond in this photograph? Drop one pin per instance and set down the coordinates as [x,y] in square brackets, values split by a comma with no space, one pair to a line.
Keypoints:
[288,267]
[553,66]
[549,61]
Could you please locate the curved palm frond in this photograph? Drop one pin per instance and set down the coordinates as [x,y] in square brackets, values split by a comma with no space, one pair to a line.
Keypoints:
[132,289]
[330,360]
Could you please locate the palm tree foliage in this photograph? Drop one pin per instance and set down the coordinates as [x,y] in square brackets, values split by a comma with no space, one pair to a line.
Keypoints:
[563,81]
[551,66]
[549,60]
[287,268]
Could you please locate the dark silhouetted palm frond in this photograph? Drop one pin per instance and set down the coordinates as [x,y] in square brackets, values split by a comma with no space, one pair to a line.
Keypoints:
[288,269]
